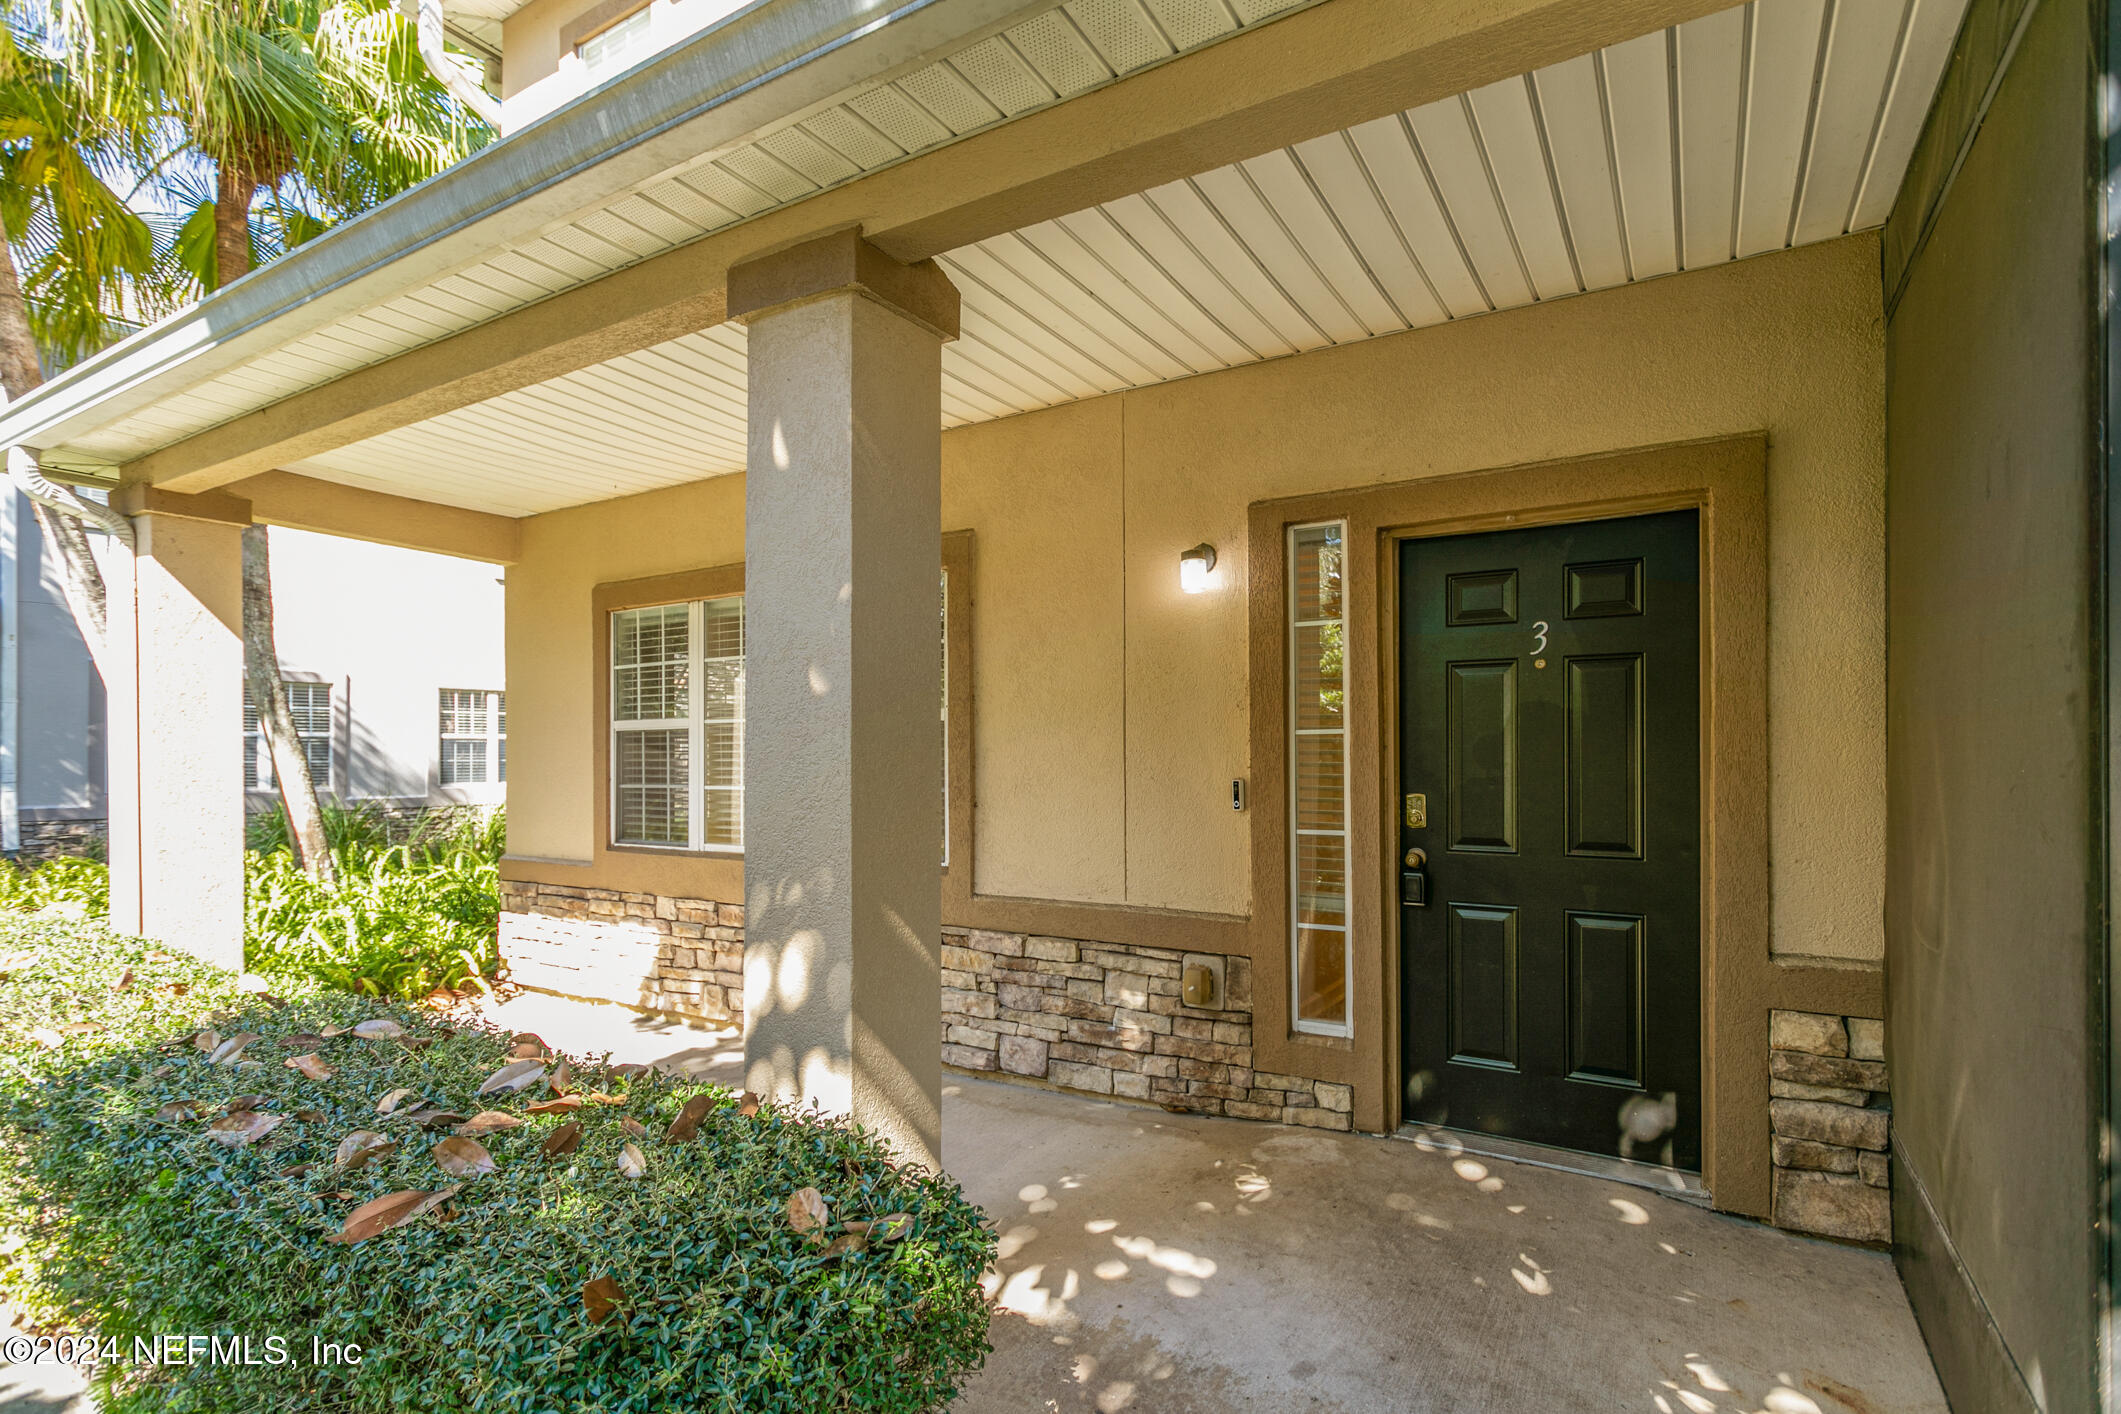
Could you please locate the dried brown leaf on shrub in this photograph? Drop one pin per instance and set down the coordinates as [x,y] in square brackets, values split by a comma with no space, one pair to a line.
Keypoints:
[526,1050]
[180,1112]
[527,1038]
[516,1075]
[361,1148]
[632,1162]
[748,1106]
[296,1170]
[600,1299]
[237,1103]
[176,989]
[378,1028]
[331,1031]
[487,1122]
[564,1140]
[629,1068]
[80,1028]
[807,1210]
[687,1123]
[389,1102]
[634,1127]
[890,1227]
[598,1097]
[560,1106]
[47,1038]
[304,1041]
[312,1066]
[147,1080]
[845,1243]
[125,981]
[310,1116]
[380,1215]
[243,1127]
[462,1158]
[230,1050]
[562,1076]
[440,1119]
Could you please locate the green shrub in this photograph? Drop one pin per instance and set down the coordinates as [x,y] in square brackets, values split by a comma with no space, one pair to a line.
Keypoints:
[71,885]
[123,1224]
[393,923]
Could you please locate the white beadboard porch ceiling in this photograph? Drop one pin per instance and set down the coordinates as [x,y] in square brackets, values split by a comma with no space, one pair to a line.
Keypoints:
[1773,124]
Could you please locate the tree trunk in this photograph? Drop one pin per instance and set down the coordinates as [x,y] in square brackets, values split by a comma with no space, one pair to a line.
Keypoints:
[233,189]
[276,722]
[80,579]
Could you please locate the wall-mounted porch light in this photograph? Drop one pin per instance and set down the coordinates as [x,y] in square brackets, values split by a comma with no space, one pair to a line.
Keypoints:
[1193,567]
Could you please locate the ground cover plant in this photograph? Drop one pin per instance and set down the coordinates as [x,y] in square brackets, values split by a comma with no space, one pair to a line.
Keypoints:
[497,1227]
[402,917]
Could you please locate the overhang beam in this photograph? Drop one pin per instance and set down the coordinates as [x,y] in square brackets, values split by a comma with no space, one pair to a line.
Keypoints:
[307,503]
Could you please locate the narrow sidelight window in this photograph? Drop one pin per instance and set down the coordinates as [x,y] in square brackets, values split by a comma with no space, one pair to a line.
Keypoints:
[1320,962]
[474,729]
[677,725]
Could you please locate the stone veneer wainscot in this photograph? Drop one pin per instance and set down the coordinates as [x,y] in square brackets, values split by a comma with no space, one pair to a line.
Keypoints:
[1831,1124]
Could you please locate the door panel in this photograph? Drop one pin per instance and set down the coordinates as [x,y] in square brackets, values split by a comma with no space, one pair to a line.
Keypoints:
[1550,711]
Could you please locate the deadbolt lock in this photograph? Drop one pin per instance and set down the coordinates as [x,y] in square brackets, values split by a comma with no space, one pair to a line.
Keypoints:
[1417,812]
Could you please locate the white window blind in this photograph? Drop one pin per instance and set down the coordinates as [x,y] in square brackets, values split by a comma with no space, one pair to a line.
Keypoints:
[677,724]
[622,45]
[310,705]
[474,736]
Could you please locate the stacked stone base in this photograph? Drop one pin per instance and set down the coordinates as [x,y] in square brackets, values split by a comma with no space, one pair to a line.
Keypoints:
[678,955]
[1831,1122]
[59,839]
[1107,1019]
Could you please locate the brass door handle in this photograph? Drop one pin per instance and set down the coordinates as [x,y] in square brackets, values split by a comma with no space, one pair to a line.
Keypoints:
[1417,858]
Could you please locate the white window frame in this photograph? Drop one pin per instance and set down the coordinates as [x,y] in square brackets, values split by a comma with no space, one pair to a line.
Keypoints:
[261,754]
[493,767]
[693,724]
[618,46]
[1345,1027]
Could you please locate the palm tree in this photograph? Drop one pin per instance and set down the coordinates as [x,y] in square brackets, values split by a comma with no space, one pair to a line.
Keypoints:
[322,106]
[86,251]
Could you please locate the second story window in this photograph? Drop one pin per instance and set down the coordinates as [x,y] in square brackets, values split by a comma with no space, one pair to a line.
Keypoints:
[616,48]
[474,746]
[310,705]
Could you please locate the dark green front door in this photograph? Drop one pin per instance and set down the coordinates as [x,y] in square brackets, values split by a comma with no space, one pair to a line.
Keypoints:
[1550,735]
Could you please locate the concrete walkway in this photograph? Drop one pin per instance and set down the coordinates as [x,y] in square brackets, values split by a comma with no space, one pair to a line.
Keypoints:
[1176,1265]
[1165,1264]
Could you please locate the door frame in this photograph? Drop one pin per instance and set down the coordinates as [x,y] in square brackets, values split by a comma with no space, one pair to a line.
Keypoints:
[1725,480]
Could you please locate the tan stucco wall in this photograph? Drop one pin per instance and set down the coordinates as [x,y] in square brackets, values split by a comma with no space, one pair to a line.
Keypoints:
[1111,710]
[539,71]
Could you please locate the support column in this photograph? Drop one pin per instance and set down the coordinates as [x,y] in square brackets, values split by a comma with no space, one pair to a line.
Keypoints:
[176,723]
[842,767]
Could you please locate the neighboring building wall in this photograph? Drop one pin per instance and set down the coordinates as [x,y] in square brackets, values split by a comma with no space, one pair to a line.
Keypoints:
[1996,855]
[539,67]
[60,766]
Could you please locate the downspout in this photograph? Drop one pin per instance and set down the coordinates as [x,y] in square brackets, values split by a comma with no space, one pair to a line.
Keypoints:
[451,75]
[28,478]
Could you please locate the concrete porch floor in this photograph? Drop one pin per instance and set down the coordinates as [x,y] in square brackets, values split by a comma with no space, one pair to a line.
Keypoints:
[1169,1264]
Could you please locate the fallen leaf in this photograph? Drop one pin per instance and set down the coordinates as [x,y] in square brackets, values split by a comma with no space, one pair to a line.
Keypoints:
[311,1065]
[598,1097]
[378,1029]
[296,1170]
[564,1140]
[845,1243]
[236,1104]
[46,1037]
[630,1068]
[890,1227]
[562,1077]
[304,1041]
[516,1075]
[440,1119]
[310,1116]
[807,1210]
[634,1127]
[176,989]
[159,956]
[600,1298]
[632,1162]
[526,1050]
[390,1102]
[748,1106]
[560,1106]
[80,1028]
[231,1049]
[125,981]
[152,1076]
[361,1148]
[380,1215]
[486,1122]
[331,1031]
[687,1123]
[243,1127]
[528,1038]
[462,1158]
[180,1112]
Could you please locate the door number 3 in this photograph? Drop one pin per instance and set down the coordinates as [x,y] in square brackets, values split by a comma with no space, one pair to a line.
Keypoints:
[1539,631]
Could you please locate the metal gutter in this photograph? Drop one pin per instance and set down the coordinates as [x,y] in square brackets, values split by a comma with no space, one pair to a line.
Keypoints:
[769,63]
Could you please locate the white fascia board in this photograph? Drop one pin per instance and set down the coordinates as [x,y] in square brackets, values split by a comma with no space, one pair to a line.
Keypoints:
[772,62]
